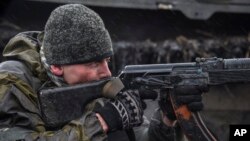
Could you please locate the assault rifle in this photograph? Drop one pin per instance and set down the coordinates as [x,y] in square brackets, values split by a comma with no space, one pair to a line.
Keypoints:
[202,73]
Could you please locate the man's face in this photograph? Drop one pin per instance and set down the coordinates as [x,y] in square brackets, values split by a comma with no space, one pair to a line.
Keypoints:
[82,73]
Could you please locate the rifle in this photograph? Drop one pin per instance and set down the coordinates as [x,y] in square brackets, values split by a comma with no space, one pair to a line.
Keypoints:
[202,73]
[59,105]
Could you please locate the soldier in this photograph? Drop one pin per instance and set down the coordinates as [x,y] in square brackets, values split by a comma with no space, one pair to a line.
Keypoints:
[74,48]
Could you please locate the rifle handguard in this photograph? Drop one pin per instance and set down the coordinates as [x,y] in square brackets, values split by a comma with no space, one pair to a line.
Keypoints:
[112,88]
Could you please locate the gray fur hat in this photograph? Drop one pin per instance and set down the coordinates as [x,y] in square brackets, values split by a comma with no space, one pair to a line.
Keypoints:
[75,34]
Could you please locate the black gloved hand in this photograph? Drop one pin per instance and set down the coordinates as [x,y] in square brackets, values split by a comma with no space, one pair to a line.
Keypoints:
[123,112]
[189,95]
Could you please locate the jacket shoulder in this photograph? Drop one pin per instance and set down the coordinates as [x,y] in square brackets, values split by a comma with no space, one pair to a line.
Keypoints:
[25,48]
[18,69]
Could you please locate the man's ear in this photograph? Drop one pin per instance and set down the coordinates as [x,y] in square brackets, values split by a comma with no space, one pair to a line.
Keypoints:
[56,70]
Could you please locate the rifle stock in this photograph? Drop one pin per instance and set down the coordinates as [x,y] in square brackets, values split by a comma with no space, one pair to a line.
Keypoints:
[60,105]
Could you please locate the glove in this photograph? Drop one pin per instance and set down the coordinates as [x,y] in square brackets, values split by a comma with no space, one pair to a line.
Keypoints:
[123,112]
[189,95]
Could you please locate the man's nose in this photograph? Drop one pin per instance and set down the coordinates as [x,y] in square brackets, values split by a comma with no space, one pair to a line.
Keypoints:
[104,70]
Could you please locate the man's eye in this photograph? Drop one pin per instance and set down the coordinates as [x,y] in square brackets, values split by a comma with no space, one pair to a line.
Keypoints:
[92,64]
[108,60]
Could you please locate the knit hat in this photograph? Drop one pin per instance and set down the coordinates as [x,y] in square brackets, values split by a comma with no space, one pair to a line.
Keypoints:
[75,34]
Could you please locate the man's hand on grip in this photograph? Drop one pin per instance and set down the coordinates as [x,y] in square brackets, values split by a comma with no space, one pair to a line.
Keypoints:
[183,95]
[191,96]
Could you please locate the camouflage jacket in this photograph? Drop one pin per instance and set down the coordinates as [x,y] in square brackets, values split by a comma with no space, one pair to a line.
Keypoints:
[21,76]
